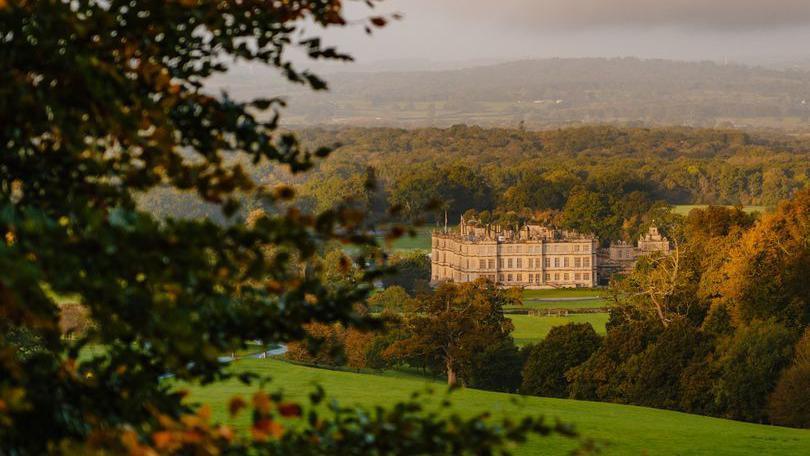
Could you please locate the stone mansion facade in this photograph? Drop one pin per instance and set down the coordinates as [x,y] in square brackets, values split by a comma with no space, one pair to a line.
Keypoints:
[533,256]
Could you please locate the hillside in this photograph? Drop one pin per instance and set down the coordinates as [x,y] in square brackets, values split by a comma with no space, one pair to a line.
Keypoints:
[552,92]
[622,429]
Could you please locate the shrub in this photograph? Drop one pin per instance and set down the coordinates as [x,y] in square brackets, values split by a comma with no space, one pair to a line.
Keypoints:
[600,377]
[749,364]
[325,346]
[497,368]
[565,347]
[653,377]
[789,404]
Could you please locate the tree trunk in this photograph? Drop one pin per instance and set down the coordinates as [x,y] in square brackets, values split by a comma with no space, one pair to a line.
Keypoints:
[451,373]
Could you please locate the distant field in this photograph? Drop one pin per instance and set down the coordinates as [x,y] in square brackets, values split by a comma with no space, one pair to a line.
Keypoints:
[561,293]
[567,304]
[421,241]
[619,429]
[531,329]
[683,209]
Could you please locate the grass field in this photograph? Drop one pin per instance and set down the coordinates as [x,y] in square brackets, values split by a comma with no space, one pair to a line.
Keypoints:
[421,241]
[530,328]
[561,293]
[683,209]
[620,429]
[567,304]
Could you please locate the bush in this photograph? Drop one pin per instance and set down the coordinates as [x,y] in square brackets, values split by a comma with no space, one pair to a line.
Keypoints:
[653,378]
[749,365]
[412,269]
[325,348]
[789,404]
[565,347]
[392,299]
[600,377]
[497,368]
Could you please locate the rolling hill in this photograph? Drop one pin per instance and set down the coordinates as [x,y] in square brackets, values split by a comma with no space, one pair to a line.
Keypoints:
[618,429]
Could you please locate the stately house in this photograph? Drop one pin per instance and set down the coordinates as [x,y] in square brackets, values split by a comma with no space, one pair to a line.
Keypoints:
[532,256]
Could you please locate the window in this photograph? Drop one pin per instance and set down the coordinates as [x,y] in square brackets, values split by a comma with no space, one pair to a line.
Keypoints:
[576,247]
[500,277]
[482,264]
[510,263]
[520,263]
[586,262]
[491,264]
[556,262]
[565,262]
[548,262]
[509,278]
[500,263]
[520,277]
[531,278]
[586,276]
[548,277]
[577,262]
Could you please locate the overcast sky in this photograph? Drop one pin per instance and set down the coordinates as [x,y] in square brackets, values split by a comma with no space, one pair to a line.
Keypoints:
[753,31]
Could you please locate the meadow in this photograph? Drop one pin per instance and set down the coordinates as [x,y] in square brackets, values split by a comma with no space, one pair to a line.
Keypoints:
[532,329]
[617,429]
[683,209]
[554,305]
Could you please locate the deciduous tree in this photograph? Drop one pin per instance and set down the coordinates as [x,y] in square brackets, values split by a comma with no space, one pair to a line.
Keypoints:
[454,323]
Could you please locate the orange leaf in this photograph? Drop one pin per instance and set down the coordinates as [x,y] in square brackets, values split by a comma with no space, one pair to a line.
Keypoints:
[235,405]
[162,439]
[261,402]
[289,409]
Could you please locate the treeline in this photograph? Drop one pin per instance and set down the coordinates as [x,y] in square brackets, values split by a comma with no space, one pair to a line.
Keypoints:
[598,179]
[718,327]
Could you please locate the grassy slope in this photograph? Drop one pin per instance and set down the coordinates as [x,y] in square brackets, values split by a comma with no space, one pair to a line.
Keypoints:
[530,328]
[624,429]
[683,209]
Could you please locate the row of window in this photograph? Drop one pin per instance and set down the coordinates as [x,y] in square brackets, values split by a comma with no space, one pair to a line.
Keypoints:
[534,263]
[535,278]
[556,248]
[532,278]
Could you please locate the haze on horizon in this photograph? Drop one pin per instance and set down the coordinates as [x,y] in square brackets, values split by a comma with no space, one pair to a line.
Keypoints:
[482,31]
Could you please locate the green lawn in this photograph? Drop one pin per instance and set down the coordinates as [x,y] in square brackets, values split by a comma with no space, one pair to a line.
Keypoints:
[683,209]
[421,241]
[530,328]
[621,429]
[567,304]
[561,293]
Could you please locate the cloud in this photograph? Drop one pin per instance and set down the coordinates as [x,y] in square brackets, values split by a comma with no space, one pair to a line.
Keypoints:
[702,14]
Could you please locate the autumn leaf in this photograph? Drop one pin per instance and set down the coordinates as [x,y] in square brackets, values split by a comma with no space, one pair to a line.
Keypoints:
[261,402]
[289,409]
[235,405]
[162,439]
